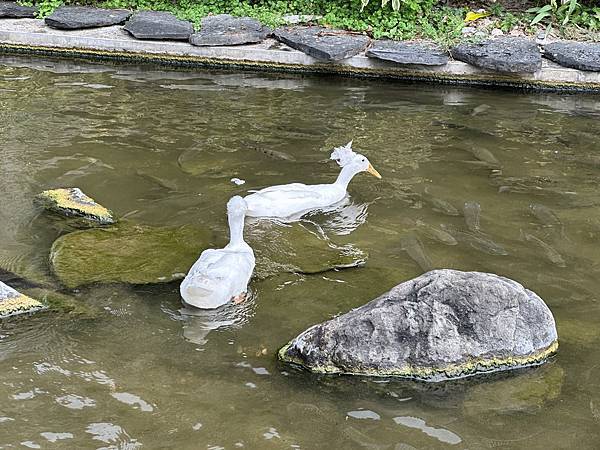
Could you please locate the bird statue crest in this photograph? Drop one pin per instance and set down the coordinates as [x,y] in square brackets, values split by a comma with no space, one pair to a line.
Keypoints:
[343,155]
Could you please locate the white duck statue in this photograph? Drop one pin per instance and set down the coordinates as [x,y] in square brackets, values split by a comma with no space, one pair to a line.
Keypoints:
[220,276]
[287,200]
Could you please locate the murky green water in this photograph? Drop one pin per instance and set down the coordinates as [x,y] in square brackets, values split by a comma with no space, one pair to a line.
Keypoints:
[161,148]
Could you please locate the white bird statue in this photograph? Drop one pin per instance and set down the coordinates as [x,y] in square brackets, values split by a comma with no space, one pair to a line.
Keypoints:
[220,276]
[293,199]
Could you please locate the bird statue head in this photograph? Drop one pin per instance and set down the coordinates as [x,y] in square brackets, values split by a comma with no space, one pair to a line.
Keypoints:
[346,157]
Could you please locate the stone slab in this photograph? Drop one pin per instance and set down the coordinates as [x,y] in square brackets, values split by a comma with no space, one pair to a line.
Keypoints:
[412,53]
[26,36]
[224,29]
[158,25]
[77,17]
[12,10]
[578,55]
[507,54]
[322,43]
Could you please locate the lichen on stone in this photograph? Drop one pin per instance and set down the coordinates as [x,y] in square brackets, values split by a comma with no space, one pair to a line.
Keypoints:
[72,202]
[13,303]
[449,372]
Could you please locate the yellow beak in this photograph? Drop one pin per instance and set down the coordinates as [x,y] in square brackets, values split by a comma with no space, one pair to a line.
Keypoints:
[373,172]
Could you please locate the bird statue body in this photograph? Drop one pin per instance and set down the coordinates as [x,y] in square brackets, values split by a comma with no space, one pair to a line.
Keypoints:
[222,275]
[287,200]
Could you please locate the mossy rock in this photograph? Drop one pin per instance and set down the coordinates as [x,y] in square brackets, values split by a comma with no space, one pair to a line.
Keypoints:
[294,248]
[127,253]
[62,303]
[72,202]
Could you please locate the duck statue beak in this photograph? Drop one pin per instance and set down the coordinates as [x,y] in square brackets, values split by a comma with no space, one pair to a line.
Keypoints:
[373,172]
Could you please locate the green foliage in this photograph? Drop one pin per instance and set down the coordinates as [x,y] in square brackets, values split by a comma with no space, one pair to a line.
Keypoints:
[566,12]
[391,19]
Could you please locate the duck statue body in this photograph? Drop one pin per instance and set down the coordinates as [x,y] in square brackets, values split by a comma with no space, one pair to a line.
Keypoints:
[220,276]
[287,200]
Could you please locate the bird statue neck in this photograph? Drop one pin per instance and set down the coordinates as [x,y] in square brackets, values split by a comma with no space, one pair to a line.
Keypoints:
[236,229]
[346,175]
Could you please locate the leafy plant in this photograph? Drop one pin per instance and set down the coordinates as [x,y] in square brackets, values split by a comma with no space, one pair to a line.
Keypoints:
[555,13]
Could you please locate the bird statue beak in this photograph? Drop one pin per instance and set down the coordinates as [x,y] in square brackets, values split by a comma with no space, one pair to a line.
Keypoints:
[373,172]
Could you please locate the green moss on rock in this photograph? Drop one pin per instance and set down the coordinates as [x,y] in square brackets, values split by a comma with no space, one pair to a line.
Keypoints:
[127,253]
[62,303]
[293,248]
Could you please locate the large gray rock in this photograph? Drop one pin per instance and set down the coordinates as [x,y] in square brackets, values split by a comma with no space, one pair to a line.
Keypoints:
[224,29]
[322,43]
[158,25]
[444,324]
[578,55]
[400,52]
[508,54]
[77,17]
[10,10]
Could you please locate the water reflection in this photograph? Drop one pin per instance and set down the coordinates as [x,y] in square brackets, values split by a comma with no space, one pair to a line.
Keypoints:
[199,323]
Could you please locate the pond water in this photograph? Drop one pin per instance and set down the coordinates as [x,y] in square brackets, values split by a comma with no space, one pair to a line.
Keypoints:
[161,147]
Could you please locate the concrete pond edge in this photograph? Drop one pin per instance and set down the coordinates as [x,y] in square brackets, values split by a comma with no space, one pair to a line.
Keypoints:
[31,37]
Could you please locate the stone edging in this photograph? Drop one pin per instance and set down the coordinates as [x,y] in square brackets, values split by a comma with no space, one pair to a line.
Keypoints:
[31,36]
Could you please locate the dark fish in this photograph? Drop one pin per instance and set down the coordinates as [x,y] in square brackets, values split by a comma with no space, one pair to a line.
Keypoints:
[549,251]
[437,234]
[472,211]
[483,154]
[477,241]
[545,215]
[274,154]
[413,246]
[444,206]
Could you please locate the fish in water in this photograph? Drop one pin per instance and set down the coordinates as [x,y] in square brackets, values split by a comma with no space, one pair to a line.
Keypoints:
[484,155]
[480,109]
[274,154]
[477,241]
[553,256]
[435,233]
[413,246]
[444,206]
[472,211]
[545,215]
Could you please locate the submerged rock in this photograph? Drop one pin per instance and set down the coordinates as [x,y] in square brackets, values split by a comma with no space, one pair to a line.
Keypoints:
[444,324]
[72,202]
[512,55]
[62,303]
[158,25]
[578,55]
[293,248]
[128,253]
[526,392]
[224,29]
[412,53]
[12,10]
[322,43]
[13,303]
[77,17]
